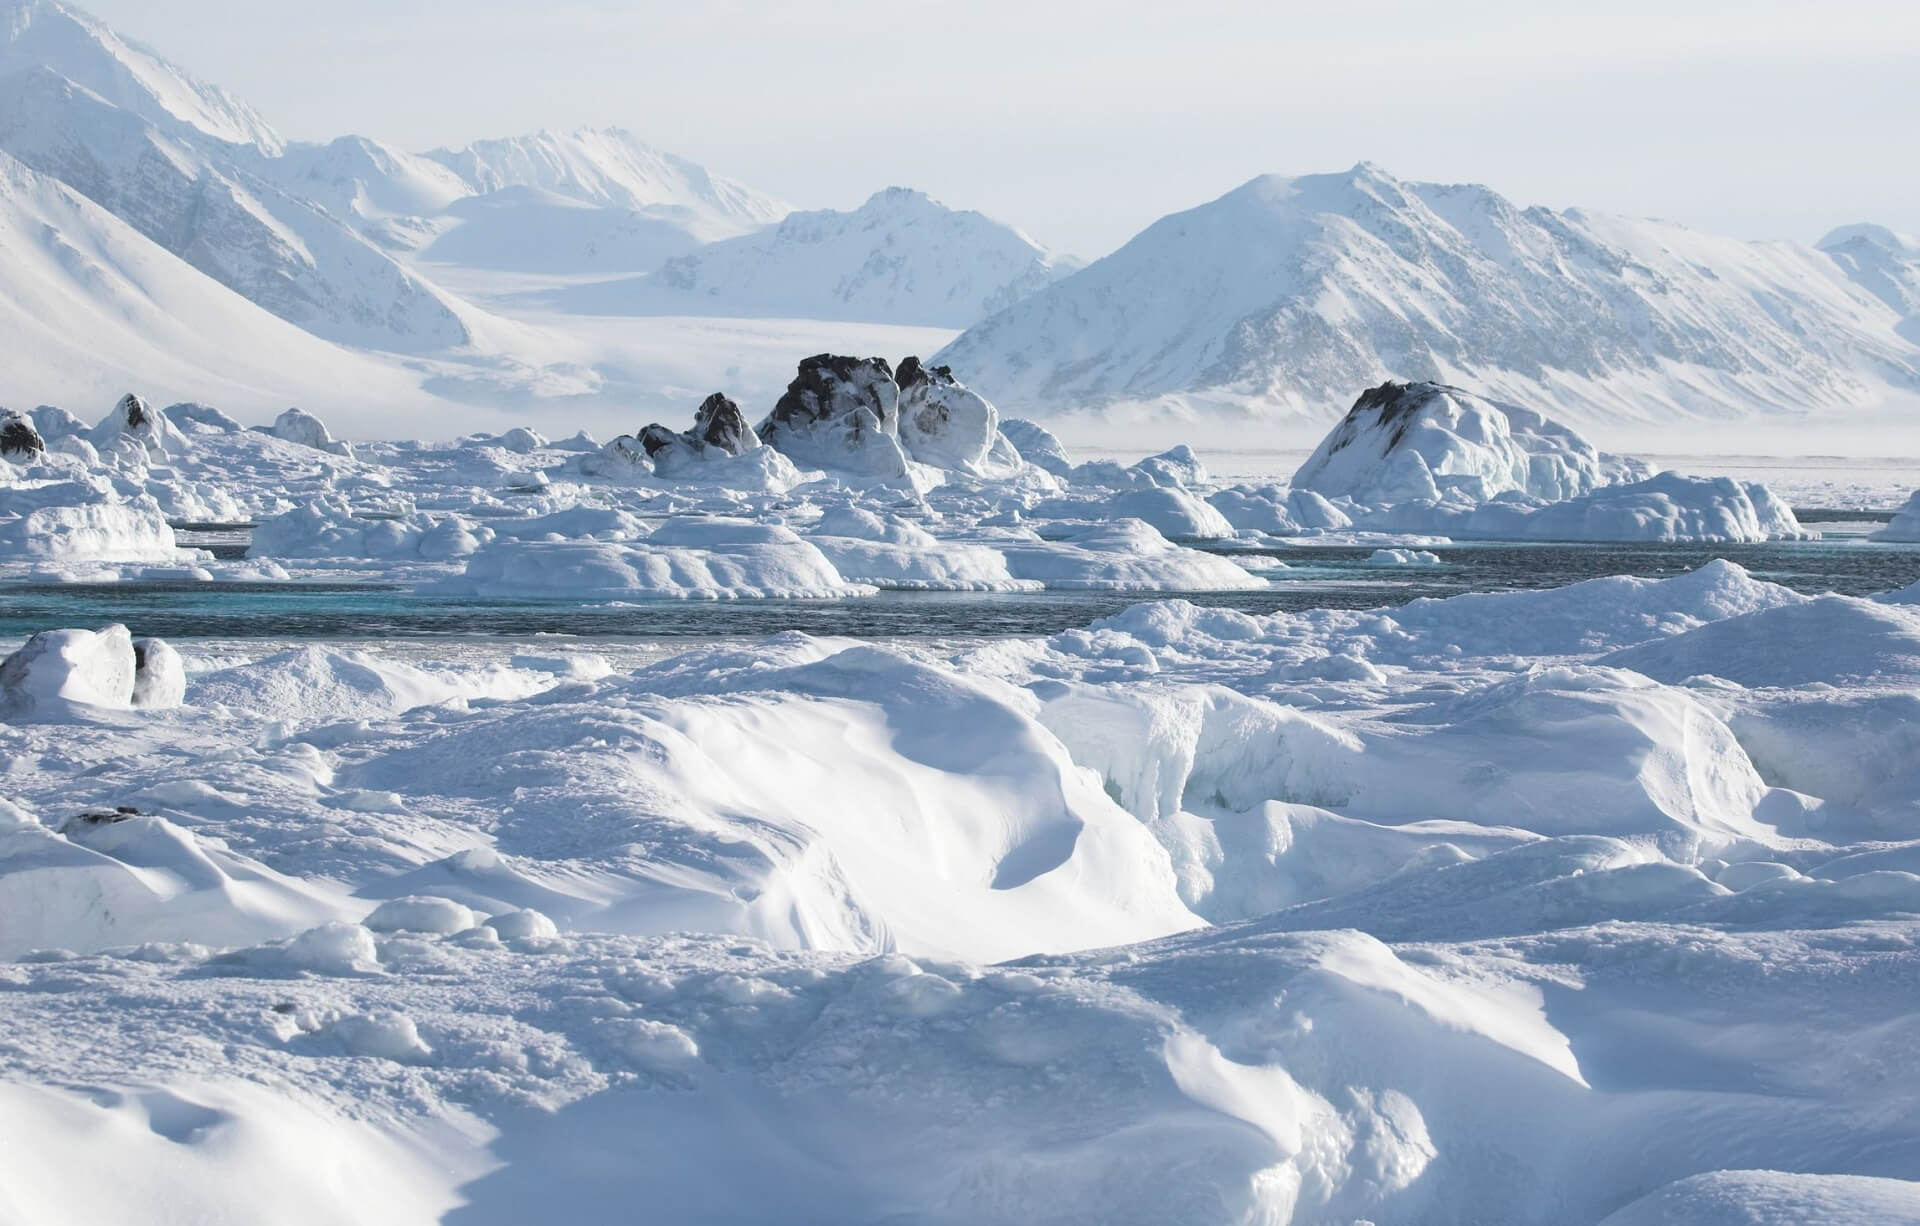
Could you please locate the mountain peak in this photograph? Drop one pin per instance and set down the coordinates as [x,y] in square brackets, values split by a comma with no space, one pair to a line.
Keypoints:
[1874,235]
[76,45]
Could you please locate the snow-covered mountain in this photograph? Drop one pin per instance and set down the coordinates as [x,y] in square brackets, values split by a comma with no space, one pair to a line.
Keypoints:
[1285,295]
[40,33]
[1886,265]
[91,308]
[901,257]
[610,167]
[592,200]
[201,197]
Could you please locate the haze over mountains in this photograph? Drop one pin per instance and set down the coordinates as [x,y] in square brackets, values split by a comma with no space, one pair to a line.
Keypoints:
[586,277]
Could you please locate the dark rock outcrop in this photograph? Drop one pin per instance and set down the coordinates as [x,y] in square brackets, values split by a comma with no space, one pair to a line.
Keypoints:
[19,441]
[835,387]
[718,422]
[840,413]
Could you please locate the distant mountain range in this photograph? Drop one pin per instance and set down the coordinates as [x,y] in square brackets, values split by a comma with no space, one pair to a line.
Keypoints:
[901,256]
[166,232]
[1286,295]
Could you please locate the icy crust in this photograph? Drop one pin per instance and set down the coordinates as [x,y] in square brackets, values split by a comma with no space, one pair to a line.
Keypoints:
[1471,910]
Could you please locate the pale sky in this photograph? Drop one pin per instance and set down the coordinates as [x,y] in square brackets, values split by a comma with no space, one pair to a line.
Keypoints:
[1082,122]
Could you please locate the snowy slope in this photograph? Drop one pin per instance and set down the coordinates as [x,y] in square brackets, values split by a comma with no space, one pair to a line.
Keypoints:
[609,167]
[199,200]
[1289,294]
[902,257]
[91,308]
[592,200]
[34,33]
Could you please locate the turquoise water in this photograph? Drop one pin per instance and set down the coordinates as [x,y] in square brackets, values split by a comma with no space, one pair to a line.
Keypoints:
[1314,577]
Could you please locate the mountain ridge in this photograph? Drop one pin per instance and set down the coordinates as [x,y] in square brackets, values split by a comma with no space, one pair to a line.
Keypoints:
[1285,293]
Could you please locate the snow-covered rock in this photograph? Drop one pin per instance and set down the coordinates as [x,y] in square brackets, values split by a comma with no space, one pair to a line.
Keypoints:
[20,442]
[942,423]
[1403,442]
[719,431]
[82,519]
[200,418]
[1427,459]
[842,414]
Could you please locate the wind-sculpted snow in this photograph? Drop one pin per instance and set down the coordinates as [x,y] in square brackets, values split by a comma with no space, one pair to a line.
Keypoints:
[1581,905]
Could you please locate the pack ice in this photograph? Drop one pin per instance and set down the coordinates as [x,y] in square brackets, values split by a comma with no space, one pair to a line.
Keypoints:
[1592,904]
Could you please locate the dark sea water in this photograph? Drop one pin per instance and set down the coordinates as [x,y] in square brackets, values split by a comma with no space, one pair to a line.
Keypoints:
[1313,577]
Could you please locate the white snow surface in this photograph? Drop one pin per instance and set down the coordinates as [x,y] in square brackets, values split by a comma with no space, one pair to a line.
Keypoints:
[1494,908]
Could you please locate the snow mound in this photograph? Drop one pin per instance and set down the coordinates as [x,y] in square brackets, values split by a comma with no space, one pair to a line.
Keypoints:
[330,528]
[942,423]
[58,670]
[1831,639]
[1122,555]
[1774,1198]
[318,685]
[1905,525]
[684,559]
[302,427]
[20,442]
[1036,445]
[109,878]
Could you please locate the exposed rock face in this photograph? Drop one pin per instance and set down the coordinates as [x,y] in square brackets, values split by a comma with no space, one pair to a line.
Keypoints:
[1424,442]
[719,432]
[942,422]
[19,441]
[718,422]
[840,413]
[656,438]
